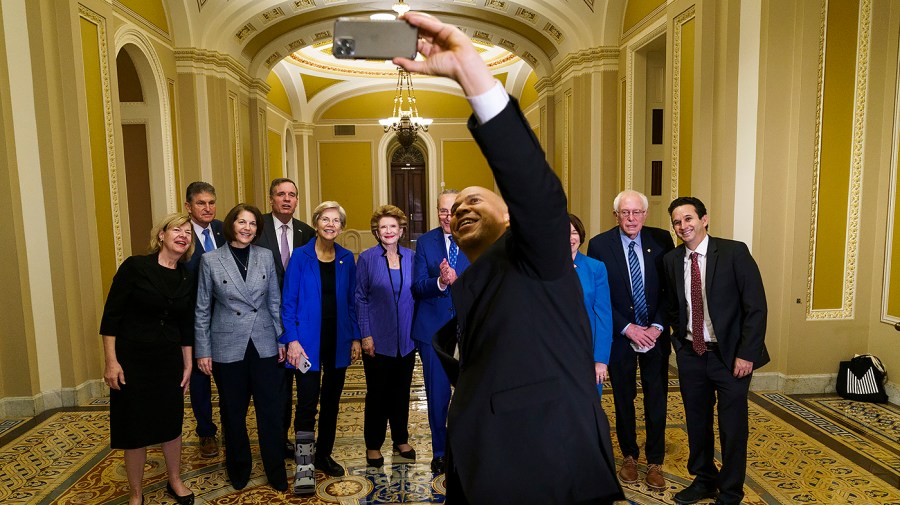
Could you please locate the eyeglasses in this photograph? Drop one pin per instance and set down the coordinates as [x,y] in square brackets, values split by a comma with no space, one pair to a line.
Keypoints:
[325,220]
[627,213]
[443,212]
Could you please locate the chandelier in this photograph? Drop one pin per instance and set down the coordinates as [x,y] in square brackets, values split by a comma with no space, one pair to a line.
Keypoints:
[400,8]
[405,120]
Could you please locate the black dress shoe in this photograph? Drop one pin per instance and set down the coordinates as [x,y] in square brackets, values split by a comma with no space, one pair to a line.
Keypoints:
[187,499]
[410,454]
[239,484]
[329,466]
[694,493]
[375,462]
[438,464]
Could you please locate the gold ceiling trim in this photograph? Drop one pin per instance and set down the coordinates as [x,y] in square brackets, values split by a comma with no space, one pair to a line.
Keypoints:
[303,61]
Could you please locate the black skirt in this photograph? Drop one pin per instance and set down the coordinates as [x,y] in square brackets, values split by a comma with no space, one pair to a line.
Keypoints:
[149,409]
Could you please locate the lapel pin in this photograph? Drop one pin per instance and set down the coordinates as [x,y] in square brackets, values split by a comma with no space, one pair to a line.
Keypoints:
[341,262]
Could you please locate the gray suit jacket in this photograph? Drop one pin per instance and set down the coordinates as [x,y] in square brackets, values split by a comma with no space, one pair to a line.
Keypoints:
[231,311]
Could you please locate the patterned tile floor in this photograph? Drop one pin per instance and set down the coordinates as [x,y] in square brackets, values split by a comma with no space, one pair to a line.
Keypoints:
[803,449]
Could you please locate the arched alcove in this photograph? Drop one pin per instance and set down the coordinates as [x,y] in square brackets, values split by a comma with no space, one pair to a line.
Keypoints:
[147,120]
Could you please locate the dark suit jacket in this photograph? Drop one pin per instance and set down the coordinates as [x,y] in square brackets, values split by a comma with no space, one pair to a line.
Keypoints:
[735,296]
[141,308]
[271,241]
[433,307]
[525,424]
[655,242]
[216,226]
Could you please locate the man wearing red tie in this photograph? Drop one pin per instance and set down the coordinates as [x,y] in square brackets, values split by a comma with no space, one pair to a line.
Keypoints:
[718,313]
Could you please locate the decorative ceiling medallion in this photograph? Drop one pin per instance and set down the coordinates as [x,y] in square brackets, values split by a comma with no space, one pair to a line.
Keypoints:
[272,60]
[499,5]
[303,4]
[527,15]
[507,44]
[272,14]
[244,32]
[554,32]
[295,45]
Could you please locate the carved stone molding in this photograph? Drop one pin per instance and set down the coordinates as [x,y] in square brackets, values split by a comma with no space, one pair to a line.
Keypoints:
[680,20]
[863,40]
[112,168]
[629,99]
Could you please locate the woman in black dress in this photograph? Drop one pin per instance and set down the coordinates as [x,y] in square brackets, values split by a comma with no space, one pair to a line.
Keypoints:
[148,333]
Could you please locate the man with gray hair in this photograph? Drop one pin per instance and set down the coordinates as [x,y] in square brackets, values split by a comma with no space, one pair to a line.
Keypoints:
[437,264]
[633,255]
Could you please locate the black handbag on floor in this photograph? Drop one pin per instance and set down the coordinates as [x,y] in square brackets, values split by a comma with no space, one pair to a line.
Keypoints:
[862,379]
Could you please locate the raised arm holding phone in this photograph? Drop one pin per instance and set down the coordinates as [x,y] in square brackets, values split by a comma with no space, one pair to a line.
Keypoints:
[525,425]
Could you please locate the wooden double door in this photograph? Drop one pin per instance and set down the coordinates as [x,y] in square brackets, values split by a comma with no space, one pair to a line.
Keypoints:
[408,188]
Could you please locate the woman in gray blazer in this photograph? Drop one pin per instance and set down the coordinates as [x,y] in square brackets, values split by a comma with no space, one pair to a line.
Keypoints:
[237,325]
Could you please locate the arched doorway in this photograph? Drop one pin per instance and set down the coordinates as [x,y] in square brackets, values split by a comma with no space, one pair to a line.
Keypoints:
[408,189]
[135,150]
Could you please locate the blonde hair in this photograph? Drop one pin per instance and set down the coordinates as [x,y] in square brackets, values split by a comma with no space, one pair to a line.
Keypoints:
[329,204]
[387,211]
[172,220]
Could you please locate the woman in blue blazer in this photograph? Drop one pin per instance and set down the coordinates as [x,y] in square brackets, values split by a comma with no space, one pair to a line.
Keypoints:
[321,332]
[592,274]
[384,304]
[236,326]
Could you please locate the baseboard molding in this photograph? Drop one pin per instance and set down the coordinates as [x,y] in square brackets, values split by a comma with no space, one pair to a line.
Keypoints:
[794,384]
[29,406]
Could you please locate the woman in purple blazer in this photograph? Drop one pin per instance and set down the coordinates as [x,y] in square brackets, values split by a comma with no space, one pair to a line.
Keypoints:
[384,307]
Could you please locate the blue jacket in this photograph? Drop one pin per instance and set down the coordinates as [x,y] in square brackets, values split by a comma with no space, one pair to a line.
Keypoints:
[433,306]
[592,274]
[301,303]
[387,321]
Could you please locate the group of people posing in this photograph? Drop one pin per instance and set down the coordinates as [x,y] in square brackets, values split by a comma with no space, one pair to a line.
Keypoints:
[261,303]
[514,334]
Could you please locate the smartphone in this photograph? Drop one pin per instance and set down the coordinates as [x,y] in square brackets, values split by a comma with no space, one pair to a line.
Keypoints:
[368,39]
[304,365]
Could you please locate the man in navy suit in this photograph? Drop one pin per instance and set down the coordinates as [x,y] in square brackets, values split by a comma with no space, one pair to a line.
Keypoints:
[282,234]
[200,204]
[434,270]
[633,255]
[718,316]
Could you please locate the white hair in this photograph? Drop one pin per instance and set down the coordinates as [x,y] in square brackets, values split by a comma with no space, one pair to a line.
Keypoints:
[631,192]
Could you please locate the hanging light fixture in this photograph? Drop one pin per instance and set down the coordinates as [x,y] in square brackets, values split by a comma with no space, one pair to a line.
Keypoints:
[405,120]
[400,8]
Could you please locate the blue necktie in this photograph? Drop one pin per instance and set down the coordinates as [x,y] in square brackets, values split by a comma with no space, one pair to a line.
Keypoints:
[637,287]
[207,241]
[454,253]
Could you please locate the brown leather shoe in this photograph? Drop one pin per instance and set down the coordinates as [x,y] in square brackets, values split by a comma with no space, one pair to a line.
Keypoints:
[209,447]
[629,473]
[655,479]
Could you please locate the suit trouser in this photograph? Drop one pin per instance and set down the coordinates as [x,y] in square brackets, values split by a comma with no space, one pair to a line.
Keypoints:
[388,380]
[237,382]
[437,392]
[201,402]
[623,364]
[288,377]
[704,380]
[309,392]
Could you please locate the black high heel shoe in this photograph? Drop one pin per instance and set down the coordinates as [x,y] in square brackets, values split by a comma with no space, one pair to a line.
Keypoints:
[375,462]
[187,499]
[410,454]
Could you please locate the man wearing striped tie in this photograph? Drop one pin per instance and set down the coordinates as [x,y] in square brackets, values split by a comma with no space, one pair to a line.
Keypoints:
[200,204]
[718,317]
[633,256]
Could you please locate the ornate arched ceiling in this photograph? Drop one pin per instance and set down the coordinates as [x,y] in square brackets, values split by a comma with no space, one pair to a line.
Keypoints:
[292,37]
[539,31]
